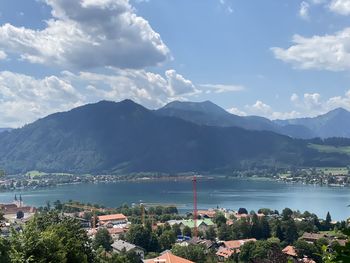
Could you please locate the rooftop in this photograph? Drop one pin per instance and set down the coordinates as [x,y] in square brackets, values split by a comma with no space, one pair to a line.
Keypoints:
[234,244]
[290,251]
[112,217]
[168,257]
[120,245]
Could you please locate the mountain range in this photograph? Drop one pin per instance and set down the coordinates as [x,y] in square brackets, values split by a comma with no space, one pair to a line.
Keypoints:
[124,137]
[335,123]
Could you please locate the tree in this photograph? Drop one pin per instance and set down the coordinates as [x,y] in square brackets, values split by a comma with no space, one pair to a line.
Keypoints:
[265,228]
[139,236]
[220,219]
[255,227]
[103,239]
[4,250]
[287,214]
[304,248]
[58,205]
[224,232]
[19,214]
[242,211]
[290,231]
[187,231]
[50,237]
[195,253]
[279,232]
[177,230]
[167,239]
[328,222]
[210,233]
[262,251]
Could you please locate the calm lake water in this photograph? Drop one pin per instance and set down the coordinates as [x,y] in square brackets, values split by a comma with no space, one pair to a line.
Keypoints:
[211,193]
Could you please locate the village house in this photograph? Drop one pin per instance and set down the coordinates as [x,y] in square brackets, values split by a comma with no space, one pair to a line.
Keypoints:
[236,244]
[120,246]
[167,257]
[238,216]
[312,237]
[292,255]
[210,213]
[225,254]
[290,252]
[229,248]
[114,219]
[115,232]
[202,224]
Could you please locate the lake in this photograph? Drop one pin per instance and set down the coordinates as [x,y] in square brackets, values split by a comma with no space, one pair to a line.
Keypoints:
[251,194]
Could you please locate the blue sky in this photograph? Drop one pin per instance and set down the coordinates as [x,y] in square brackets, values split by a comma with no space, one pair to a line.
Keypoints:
[278,59]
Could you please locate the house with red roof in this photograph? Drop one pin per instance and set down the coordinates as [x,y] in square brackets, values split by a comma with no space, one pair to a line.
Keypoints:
[114,219]
[167,257]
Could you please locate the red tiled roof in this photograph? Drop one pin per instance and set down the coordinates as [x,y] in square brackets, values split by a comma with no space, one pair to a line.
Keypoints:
[112,217]
[168,258]
[115,231]
[234,244]
[290,251]
[226,253]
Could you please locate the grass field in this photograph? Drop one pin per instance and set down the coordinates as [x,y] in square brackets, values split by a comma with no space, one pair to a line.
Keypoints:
[33,174]
[334,170]
[330,149]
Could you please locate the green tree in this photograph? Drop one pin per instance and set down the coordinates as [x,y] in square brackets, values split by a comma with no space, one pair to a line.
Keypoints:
[287,214]
[58,205]
[195,253]
[103,239]
[139,236]
[290,231]
[265,228]
[187,231]
[49,237]
[224,232]
[4,250]
[328,222]
[304,248]
[255,227]
[210,233]
[219,219]
[167,239]
[262,251]
[177,230]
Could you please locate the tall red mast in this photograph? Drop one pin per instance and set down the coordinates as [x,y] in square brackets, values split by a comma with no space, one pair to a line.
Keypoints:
[195,212]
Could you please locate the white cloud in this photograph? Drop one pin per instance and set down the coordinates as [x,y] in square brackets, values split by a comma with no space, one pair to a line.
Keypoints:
[236,111]
[341,7]
[312,104]
[87,34]
[294,97]
[312,100]
[221,88]
[304,10]
[3,55]
[328,52]
[178,84]
[262,109]
[226,5]
[24,99]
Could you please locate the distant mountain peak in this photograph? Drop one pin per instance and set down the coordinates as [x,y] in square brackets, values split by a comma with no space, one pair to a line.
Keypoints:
[338,110]
[202,106]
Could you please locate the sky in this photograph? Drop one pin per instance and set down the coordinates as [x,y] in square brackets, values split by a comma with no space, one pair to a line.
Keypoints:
[272,58]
